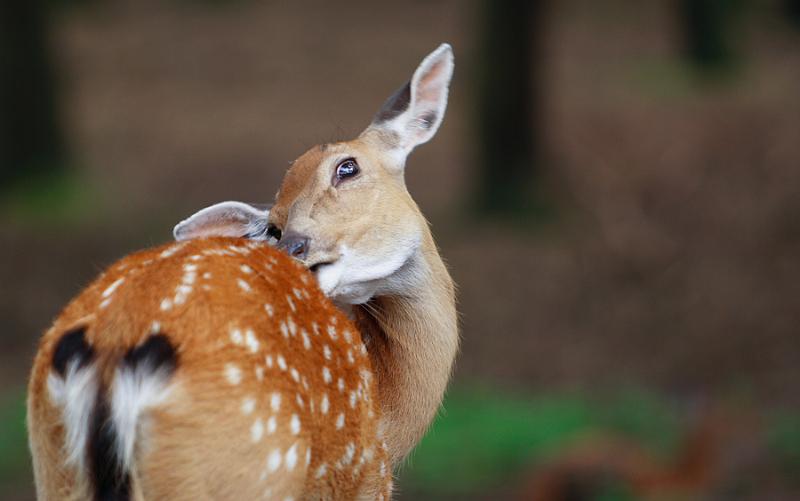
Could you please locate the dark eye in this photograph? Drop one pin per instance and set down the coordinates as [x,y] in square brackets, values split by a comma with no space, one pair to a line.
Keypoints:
[347,168]
[273,231]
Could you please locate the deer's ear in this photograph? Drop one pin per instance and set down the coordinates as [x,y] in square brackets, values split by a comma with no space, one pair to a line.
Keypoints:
[412,115]
[225,219]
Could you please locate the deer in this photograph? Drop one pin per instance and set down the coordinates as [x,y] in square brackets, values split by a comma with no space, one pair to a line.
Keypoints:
[295,352]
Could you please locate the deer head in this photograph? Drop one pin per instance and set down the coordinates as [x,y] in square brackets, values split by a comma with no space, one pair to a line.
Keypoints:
[343,209]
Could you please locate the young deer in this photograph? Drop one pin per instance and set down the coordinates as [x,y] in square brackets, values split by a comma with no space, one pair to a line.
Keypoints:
[214,367]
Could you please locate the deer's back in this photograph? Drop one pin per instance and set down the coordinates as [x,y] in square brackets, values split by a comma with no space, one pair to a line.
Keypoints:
[209,369]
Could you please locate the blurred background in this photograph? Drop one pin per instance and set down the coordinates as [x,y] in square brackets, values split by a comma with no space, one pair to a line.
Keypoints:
[616,189]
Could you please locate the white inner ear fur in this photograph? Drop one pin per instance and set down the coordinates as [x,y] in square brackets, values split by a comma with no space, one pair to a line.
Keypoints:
[426,105]
[225,219]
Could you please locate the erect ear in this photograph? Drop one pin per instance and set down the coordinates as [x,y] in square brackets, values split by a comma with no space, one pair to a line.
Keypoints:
[412,115]
[225,219]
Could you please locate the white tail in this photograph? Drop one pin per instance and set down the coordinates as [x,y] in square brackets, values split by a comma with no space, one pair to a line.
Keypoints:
[215,368]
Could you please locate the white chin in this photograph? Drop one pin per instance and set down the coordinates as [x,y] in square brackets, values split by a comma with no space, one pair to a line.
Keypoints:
[329,278]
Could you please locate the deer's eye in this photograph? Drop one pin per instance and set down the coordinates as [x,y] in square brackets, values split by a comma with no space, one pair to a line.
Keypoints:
[273,232]
[347,168]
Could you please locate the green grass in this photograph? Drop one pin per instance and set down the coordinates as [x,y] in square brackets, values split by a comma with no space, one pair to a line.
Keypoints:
[484,439]
[63,198]
[784,442]
[14,456]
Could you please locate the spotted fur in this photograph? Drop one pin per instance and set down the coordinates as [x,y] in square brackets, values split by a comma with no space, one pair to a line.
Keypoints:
[217,400]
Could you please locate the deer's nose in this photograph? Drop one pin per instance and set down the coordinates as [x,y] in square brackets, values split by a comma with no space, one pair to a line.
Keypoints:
[294,245]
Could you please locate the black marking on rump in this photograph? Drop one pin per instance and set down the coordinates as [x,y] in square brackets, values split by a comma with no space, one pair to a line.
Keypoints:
[395,105]
[110,482]
[72,347]
[156,353]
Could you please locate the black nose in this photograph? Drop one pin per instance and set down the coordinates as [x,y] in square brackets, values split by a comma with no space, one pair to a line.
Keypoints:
[294,245]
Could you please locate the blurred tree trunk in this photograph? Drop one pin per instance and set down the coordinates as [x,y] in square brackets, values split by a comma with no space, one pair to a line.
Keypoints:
[707,31]
[508,105]
[30,136]
[792,10]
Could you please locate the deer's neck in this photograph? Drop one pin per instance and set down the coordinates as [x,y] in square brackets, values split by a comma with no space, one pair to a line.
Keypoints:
[412,339]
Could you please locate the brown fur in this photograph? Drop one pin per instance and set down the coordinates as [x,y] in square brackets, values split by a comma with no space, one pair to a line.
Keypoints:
[198,445]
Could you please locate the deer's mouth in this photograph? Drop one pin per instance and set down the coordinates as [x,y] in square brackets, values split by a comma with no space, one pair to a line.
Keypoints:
[315,268]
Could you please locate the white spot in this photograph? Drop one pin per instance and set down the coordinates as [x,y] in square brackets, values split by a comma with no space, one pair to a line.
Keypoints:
[195,257]
[323,468]
[332,332]
[268,308]
[292,326]
[350,357]
[272,425]
[363,349]
[315,328]
[340,421]
[349,452]
[294,424]
[300,401]
[341,384]
[275,401]
[348,336]
[257,430]
[291,457]
[383,469]
[181,293]
[274,460]
[308,456]
[306,340]
[166,304]
[248,405]
[291,303]
[284,330]
[233,374]
[246,269]
[111,288]
[353,399]
[281,362]
[326,375]
[251,341]
[105,302]
[207,275]
[326,350]
[325,404]
[171,250]
[295,375]
[268,360]
[155,327]
[243,285]
[236,337]
[259,373]
[297,293]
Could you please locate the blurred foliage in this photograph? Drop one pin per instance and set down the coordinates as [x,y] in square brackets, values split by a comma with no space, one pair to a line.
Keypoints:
[61,197]
[784,441]
[14,457]
[498,435]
